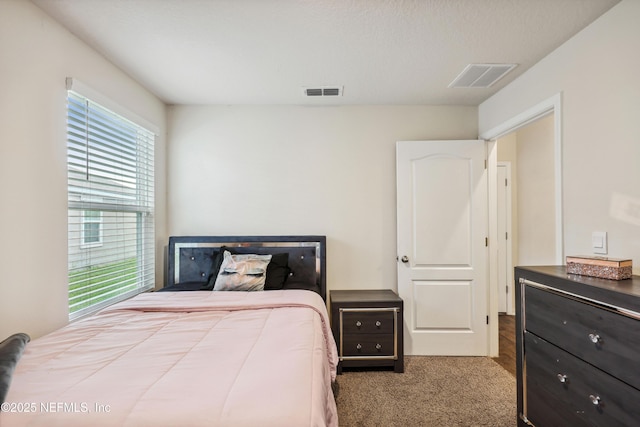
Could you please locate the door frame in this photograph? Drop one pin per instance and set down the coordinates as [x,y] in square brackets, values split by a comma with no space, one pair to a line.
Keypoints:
[552,105]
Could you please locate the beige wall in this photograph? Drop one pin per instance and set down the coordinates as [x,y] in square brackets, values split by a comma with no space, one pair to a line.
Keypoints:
[530,150]
[36,55]
[301,170]
[536,195]
[596,73]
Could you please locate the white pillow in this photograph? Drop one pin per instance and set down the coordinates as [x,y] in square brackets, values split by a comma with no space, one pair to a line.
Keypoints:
[242,272]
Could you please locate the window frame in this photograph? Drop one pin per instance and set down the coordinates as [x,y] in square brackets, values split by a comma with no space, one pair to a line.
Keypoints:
[135,196]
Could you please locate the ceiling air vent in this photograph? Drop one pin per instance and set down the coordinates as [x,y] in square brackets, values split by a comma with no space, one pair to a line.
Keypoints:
[323,91]
[331,91]
[481,75]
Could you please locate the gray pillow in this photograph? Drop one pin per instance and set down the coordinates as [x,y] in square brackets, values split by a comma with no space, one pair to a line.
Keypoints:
[10,351]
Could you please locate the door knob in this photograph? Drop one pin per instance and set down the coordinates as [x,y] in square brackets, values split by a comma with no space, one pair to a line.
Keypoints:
[404,259]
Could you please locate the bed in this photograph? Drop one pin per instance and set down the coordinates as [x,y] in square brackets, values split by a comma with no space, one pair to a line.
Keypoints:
[193,354]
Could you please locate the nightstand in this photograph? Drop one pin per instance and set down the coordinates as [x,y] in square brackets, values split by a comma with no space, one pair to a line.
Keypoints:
[367,327]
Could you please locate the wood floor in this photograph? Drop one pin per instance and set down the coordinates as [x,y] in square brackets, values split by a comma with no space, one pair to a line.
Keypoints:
[507,344]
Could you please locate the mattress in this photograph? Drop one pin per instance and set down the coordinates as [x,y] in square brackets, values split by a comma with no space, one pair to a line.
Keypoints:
[183,358]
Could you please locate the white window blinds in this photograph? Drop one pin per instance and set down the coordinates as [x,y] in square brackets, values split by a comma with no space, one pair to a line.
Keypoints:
[110,206]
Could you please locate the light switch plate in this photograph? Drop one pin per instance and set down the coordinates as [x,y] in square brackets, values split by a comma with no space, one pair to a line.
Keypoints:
[599,242]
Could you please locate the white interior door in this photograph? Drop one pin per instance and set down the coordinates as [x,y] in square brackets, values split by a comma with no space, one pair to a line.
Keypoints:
[442,210]
[505,269]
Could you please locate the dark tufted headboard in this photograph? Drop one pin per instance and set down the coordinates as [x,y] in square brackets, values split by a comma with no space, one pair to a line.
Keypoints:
[190,258]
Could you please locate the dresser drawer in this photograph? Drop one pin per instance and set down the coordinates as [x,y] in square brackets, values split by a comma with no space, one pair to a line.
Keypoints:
[368,321]
[608,340]
[368,345]
[561,390]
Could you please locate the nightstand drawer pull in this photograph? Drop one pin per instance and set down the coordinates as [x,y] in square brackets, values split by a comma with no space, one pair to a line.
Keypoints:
[378,323]
[359,346]
[595,338]
[562,378]
[378,346]
[358,323]
[595,400]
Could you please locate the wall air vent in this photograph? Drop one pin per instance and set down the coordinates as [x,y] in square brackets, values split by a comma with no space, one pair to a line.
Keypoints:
[323,91]
[481,75]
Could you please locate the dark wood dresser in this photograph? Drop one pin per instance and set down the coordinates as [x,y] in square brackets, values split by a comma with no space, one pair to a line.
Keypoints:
[367,327]
[578,349]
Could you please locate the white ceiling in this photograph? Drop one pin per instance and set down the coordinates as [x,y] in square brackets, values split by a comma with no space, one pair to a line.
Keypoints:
[266,51]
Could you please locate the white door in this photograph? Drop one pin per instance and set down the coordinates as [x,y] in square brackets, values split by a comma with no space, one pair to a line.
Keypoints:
[442,214]
[505,269]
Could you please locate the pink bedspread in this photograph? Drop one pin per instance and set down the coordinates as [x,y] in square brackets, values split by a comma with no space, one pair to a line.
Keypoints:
[183,359]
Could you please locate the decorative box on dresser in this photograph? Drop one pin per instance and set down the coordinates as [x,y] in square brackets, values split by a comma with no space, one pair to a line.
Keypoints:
[578,349]
[367,327]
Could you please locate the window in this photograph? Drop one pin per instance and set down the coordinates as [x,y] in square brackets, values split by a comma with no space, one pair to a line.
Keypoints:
[110,191]
[91,228]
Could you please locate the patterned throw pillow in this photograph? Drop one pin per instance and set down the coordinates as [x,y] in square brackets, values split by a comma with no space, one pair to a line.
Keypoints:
[242,272]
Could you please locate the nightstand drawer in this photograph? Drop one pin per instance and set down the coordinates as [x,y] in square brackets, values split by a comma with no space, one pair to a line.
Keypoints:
[367,325]
[607,340]
[368,345]
[370,321]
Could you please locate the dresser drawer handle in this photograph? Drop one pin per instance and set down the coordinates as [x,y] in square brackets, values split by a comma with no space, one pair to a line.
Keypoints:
[359,346]
[562,378]
[358,323]
[378,346]
[595,338]
[378,323]
[595,400]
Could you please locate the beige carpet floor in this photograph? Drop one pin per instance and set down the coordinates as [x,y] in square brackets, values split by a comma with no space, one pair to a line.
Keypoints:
[433,391]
